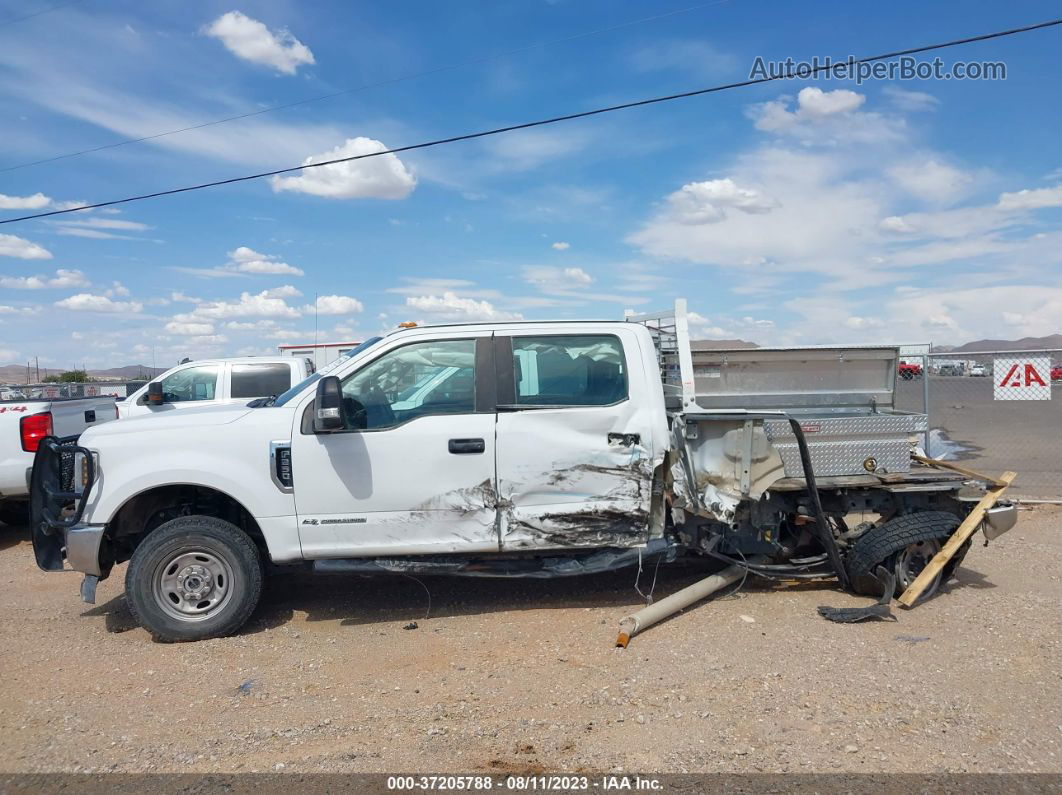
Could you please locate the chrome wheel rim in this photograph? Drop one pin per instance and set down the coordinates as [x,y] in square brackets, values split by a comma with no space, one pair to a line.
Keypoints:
[912,560]
[193,584]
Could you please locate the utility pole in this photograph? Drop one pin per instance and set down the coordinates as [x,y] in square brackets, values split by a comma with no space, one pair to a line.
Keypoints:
[37,364]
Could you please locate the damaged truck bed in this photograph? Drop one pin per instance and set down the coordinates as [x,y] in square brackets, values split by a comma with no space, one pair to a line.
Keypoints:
[533,449]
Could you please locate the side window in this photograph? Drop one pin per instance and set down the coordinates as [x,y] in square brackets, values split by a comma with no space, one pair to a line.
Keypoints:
[260,380]
[191,383]
[415,380]
[574,370]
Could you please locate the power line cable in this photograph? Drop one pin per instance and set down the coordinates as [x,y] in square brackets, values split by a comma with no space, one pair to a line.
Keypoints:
[12,21]
[543,122]
[390,81]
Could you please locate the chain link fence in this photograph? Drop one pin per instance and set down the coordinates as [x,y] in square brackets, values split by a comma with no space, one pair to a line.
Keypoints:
[115,389]
[992,411]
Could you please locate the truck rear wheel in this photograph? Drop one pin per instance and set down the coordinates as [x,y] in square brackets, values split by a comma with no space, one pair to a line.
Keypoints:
[194,577]
[903,546]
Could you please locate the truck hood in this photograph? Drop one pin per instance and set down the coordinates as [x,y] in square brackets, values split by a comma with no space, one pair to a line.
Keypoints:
[199,417]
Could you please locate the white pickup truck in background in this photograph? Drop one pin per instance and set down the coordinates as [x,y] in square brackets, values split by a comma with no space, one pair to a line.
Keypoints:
[23,423]
[215,381]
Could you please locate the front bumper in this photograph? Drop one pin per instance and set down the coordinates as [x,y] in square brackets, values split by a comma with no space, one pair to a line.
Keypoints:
[82,544]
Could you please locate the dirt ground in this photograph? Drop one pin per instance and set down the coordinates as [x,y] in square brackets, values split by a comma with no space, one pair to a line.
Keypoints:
[523,676]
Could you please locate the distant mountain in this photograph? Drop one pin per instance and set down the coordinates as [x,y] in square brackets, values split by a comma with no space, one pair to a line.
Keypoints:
[1052,341]
[127,372]
[18,373]
[721,345]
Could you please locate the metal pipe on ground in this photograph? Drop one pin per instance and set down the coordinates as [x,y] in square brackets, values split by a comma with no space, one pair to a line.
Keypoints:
[658,611]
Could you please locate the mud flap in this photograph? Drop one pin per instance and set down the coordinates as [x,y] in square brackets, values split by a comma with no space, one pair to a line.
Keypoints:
[88,588]
[879,610]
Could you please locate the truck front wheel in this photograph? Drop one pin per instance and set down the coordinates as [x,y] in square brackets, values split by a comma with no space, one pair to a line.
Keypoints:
[192,578]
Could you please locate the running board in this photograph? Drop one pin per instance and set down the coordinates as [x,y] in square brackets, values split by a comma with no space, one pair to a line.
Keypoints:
[591,562]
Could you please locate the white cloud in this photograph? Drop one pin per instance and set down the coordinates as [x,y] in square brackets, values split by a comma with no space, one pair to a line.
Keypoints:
[117,288]
[284,291]
[18,310]
[11,246]
[578,276]
[819,221]
[251,40]
[911,100]
[105,223]
[8,355]
[250,325]
[818,103]
[557,279]
[524,150]
[560,245]
[379,177]
[1031,199]
[189,329]
[335,305]
[451,307]
[813,104]
[895,223]
[707,202]
[824,117]
[62,279]
[931,180]
[86,302]
[248,305]
[247,260]
[423,286]
[698,58]
[34,202]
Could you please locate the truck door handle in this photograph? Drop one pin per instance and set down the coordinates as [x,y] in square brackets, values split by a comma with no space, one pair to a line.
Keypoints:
[459,446]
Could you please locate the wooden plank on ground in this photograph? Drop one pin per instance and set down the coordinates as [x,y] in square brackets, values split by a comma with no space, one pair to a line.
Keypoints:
[958,538]
[933,462]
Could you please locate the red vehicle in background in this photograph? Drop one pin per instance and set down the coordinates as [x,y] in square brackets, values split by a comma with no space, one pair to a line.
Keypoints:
[908,371]
[1056,372]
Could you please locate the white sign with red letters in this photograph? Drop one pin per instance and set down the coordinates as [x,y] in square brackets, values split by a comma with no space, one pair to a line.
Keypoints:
[1022,377]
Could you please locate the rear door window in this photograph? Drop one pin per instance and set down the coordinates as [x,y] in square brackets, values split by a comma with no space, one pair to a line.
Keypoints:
[260,380]
[570,370]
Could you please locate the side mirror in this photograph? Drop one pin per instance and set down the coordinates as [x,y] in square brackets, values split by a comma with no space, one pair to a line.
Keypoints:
[328,405]
[154,394]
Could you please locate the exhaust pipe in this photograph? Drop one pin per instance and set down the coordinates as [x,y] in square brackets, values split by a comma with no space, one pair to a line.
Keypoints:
[658,611]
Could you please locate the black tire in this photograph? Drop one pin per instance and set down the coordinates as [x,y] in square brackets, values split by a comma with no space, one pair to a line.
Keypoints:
[200,552]
[14,513]
[880,544]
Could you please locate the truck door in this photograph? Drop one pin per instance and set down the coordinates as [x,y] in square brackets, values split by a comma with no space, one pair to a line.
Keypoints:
[413,469]
[575,436]
[186,387]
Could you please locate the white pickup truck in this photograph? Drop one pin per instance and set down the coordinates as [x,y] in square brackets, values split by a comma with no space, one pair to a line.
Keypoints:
[23,423]
[535,449]
[215,381]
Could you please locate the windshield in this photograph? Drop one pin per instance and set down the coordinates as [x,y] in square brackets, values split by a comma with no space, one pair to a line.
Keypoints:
[328,368]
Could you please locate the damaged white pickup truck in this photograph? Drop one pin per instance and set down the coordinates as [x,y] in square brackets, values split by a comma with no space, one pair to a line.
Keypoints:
[536,449]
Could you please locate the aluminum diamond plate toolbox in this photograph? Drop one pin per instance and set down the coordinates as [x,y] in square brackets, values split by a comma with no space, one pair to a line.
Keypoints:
[850,445]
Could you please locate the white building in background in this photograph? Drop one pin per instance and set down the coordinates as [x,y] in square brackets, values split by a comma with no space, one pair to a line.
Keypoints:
[320,353]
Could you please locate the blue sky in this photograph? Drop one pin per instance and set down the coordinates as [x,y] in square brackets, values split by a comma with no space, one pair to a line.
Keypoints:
[804,212]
